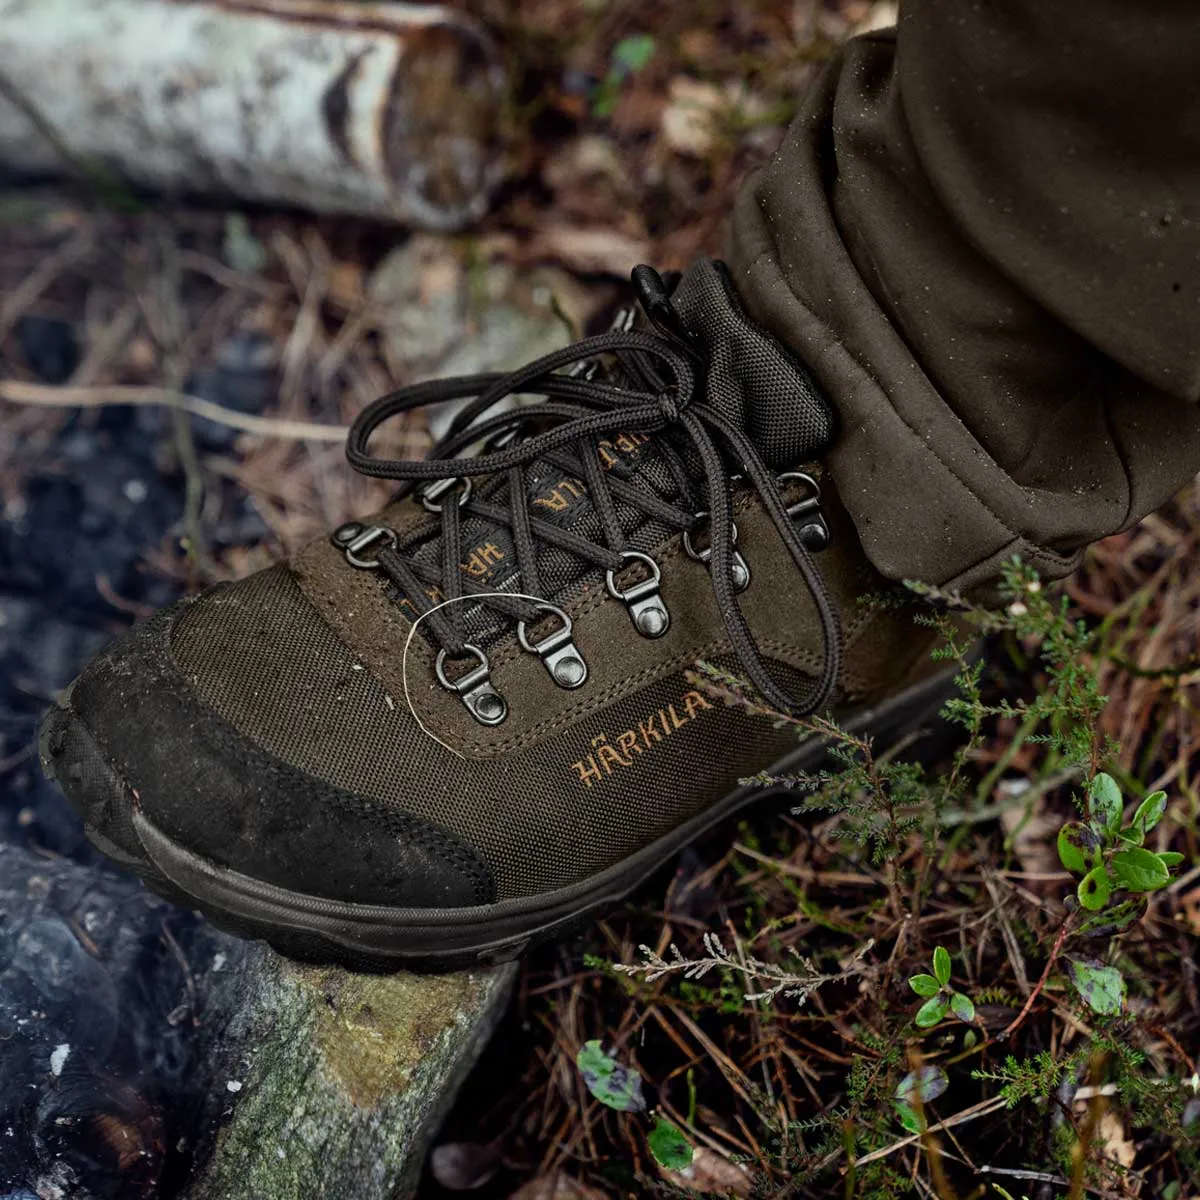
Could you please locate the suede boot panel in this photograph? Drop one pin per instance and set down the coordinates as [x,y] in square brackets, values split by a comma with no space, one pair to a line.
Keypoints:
[776,604]
[572,782]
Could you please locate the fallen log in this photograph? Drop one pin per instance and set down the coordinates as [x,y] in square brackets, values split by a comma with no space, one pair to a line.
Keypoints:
[382,110]
[145,1054]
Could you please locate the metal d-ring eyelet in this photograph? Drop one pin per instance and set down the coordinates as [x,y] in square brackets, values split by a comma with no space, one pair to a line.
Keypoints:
[498,441]
[353,539]
[739,569]
[474,688]
[624,319]
[557,650]
[806,512]
[622,322]
[644,600]
[431,496]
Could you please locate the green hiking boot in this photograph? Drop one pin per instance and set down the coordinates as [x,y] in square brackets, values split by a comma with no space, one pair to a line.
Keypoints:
[466,722]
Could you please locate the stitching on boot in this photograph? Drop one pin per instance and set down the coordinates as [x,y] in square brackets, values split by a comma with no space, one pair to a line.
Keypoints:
[440,843]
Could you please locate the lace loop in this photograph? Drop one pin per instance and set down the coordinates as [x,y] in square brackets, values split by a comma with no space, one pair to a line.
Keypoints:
[658,397]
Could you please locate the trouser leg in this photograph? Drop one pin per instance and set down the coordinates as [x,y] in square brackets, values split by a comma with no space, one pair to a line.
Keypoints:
[982,233]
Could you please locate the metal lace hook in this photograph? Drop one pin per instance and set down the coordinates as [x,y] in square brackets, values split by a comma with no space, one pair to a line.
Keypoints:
[353,539]
[806,512]
[644,600]
[474,688]
[557,649]
[739,569]
[432,494]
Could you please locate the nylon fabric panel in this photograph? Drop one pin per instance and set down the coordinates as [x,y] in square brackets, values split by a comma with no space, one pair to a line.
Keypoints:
[263,658]
[750,377]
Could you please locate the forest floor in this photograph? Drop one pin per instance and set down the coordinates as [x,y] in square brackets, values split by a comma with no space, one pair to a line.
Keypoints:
[636,129]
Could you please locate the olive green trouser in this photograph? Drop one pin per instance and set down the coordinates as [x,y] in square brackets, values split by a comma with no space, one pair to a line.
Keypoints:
[982,233]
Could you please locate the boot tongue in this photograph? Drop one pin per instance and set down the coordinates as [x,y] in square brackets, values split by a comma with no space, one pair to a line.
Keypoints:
[751,379]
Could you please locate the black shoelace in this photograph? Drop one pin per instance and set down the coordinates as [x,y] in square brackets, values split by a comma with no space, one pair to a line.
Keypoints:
[652,391]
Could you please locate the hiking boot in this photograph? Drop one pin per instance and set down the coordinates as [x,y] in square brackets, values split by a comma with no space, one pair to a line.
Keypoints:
[471,720]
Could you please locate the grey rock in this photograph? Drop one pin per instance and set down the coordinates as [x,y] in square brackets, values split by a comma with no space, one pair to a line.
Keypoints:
[440,317]
[419,294]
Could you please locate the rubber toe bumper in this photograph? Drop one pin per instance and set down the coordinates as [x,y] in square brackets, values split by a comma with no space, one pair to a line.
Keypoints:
[131,735]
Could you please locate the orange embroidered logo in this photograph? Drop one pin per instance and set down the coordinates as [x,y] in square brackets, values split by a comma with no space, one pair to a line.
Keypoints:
[565,491]
[624,445]
[481,564]
[483,558]
[435,594]
[608,757]
[560,497]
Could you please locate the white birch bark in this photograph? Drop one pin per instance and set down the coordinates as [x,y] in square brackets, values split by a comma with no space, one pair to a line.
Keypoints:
[385,110]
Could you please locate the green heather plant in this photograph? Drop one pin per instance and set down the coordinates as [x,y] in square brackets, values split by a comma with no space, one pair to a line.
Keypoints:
[916,825]
[940,997]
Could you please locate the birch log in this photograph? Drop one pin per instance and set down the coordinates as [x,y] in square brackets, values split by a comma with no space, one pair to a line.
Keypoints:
[383,110]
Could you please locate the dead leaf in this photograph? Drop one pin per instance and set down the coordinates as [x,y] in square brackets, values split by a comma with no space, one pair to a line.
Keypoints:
[141,356]
[585,159]
[699,45]
[463,1166]
[1110,1137]
[883,14]
[1034,841]
[592,251]
[866,16]
[558,1186]
[712,1172]
[689,122]
[347,286]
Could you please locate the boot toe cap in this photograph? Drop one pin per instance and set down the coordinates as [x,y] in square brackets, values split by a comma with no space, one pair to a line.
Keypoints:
[132,735]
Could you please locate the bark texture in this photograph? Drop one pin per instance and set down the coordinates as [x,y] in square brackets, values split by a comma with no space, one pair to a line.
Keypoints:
[344,1079]
[384,110]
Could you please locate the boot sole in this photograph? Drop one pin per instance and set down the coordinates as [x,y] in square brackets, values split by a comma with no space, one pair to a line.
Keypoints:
[377,937]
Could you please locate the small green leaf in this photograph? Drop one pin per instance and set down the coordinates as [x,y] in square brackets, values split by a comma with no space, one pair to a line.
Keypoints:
[633,53]
[925,1084]
[909,1117]
[1150,811]
[240,248]
[1170,858]
[962,1007]
[1106,804]
[1102,988]
[941,965]
[669,1147]
[618,1086]
[924,985]
[931,1012]
[1077,846]
[1094,889]
[1137,870]
[969,1039]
